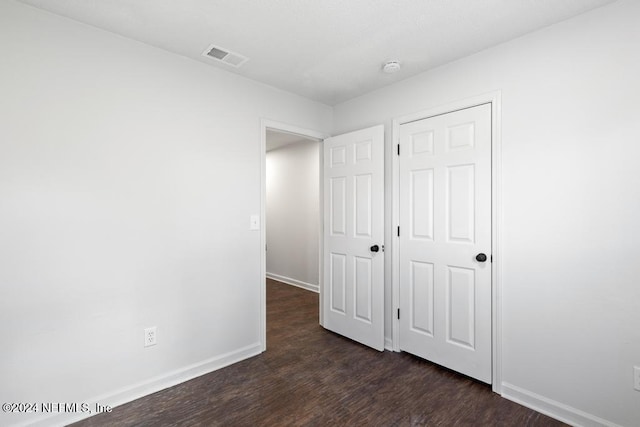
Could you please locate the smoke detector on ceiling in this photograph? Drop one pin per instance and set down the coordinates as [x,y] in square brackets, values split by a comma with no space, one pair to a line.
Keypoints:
[225,55]
[391,67]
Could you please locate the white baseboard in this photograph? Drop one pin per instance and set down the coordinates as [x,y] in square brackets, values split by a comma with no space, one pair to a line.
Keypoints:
[289,281]
[153,385]
[557,410]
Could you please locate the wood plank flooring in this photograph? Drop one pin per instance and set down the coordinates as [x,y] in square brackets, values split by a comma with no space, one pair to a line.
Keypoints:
[311,377]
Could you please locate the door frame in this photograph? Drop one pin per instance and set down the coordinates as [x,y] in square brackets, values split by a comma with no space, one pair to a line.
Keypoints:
[493,98]
[266,124]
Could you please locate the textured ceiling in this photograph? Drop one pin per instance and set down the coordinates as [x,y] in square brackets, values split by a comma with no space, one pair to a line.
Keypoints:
[326,50]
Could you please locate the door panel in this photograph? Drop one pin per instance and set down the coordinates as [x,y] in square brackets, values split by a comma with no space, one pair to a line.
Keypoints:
[338,206]
[362,204]
[461,306]
[421,204]
[353,203]
[422,298]
[363,288]
[338,282]
[445,208]
[460,209]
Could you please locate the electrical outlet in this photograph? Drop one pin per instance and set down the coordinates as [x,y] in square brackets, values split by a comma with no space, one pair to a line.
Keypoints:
[150,336]
[636,378]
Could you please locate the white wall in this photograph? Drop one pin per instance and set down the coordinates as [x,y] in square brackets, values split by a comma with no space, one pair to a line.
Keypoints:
[571,203]
[293,214]
[127,178]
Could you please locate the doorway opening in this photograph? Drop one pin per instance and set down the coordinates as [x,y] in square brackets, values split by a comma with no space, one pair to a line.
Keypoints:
[292,219]
[291,209]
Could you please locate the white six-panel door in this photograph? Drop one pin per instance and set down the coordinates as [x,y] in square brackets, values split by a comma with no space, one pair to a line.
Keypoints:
[445,223]
[353,284]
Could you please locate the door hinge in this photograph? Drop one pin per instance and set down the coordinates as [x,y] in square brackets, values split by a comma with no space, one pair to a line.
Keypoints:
[398,314]
[491,258]
[398,231]
[398,149]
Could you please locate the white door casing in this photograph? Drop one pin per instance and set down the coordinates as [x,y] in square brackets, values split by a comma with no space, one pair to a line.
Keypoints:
[353,279]
[445,295]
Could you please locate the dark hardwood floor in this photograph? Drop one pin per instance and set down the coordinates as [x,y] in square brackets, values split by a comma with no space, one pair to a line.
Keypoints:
[311,377]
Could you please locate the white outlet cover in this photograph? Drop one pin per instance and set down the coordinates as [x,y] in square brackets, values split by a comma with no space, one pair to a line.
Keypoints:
[150,336]
[636,378]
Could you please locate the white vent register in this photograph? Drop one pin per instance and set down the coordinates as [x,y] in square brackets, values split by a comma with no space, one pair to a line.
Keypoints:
[225,55]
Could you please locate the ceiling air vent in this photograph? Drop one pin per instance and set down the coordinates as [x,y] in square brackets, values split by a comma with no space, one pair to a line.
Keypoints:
[225,55]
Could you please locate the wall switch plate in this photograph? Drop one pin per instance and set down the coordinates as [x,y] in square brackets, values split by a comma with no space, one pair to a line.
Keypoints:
[150,336]
[254,222]
[636,378]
